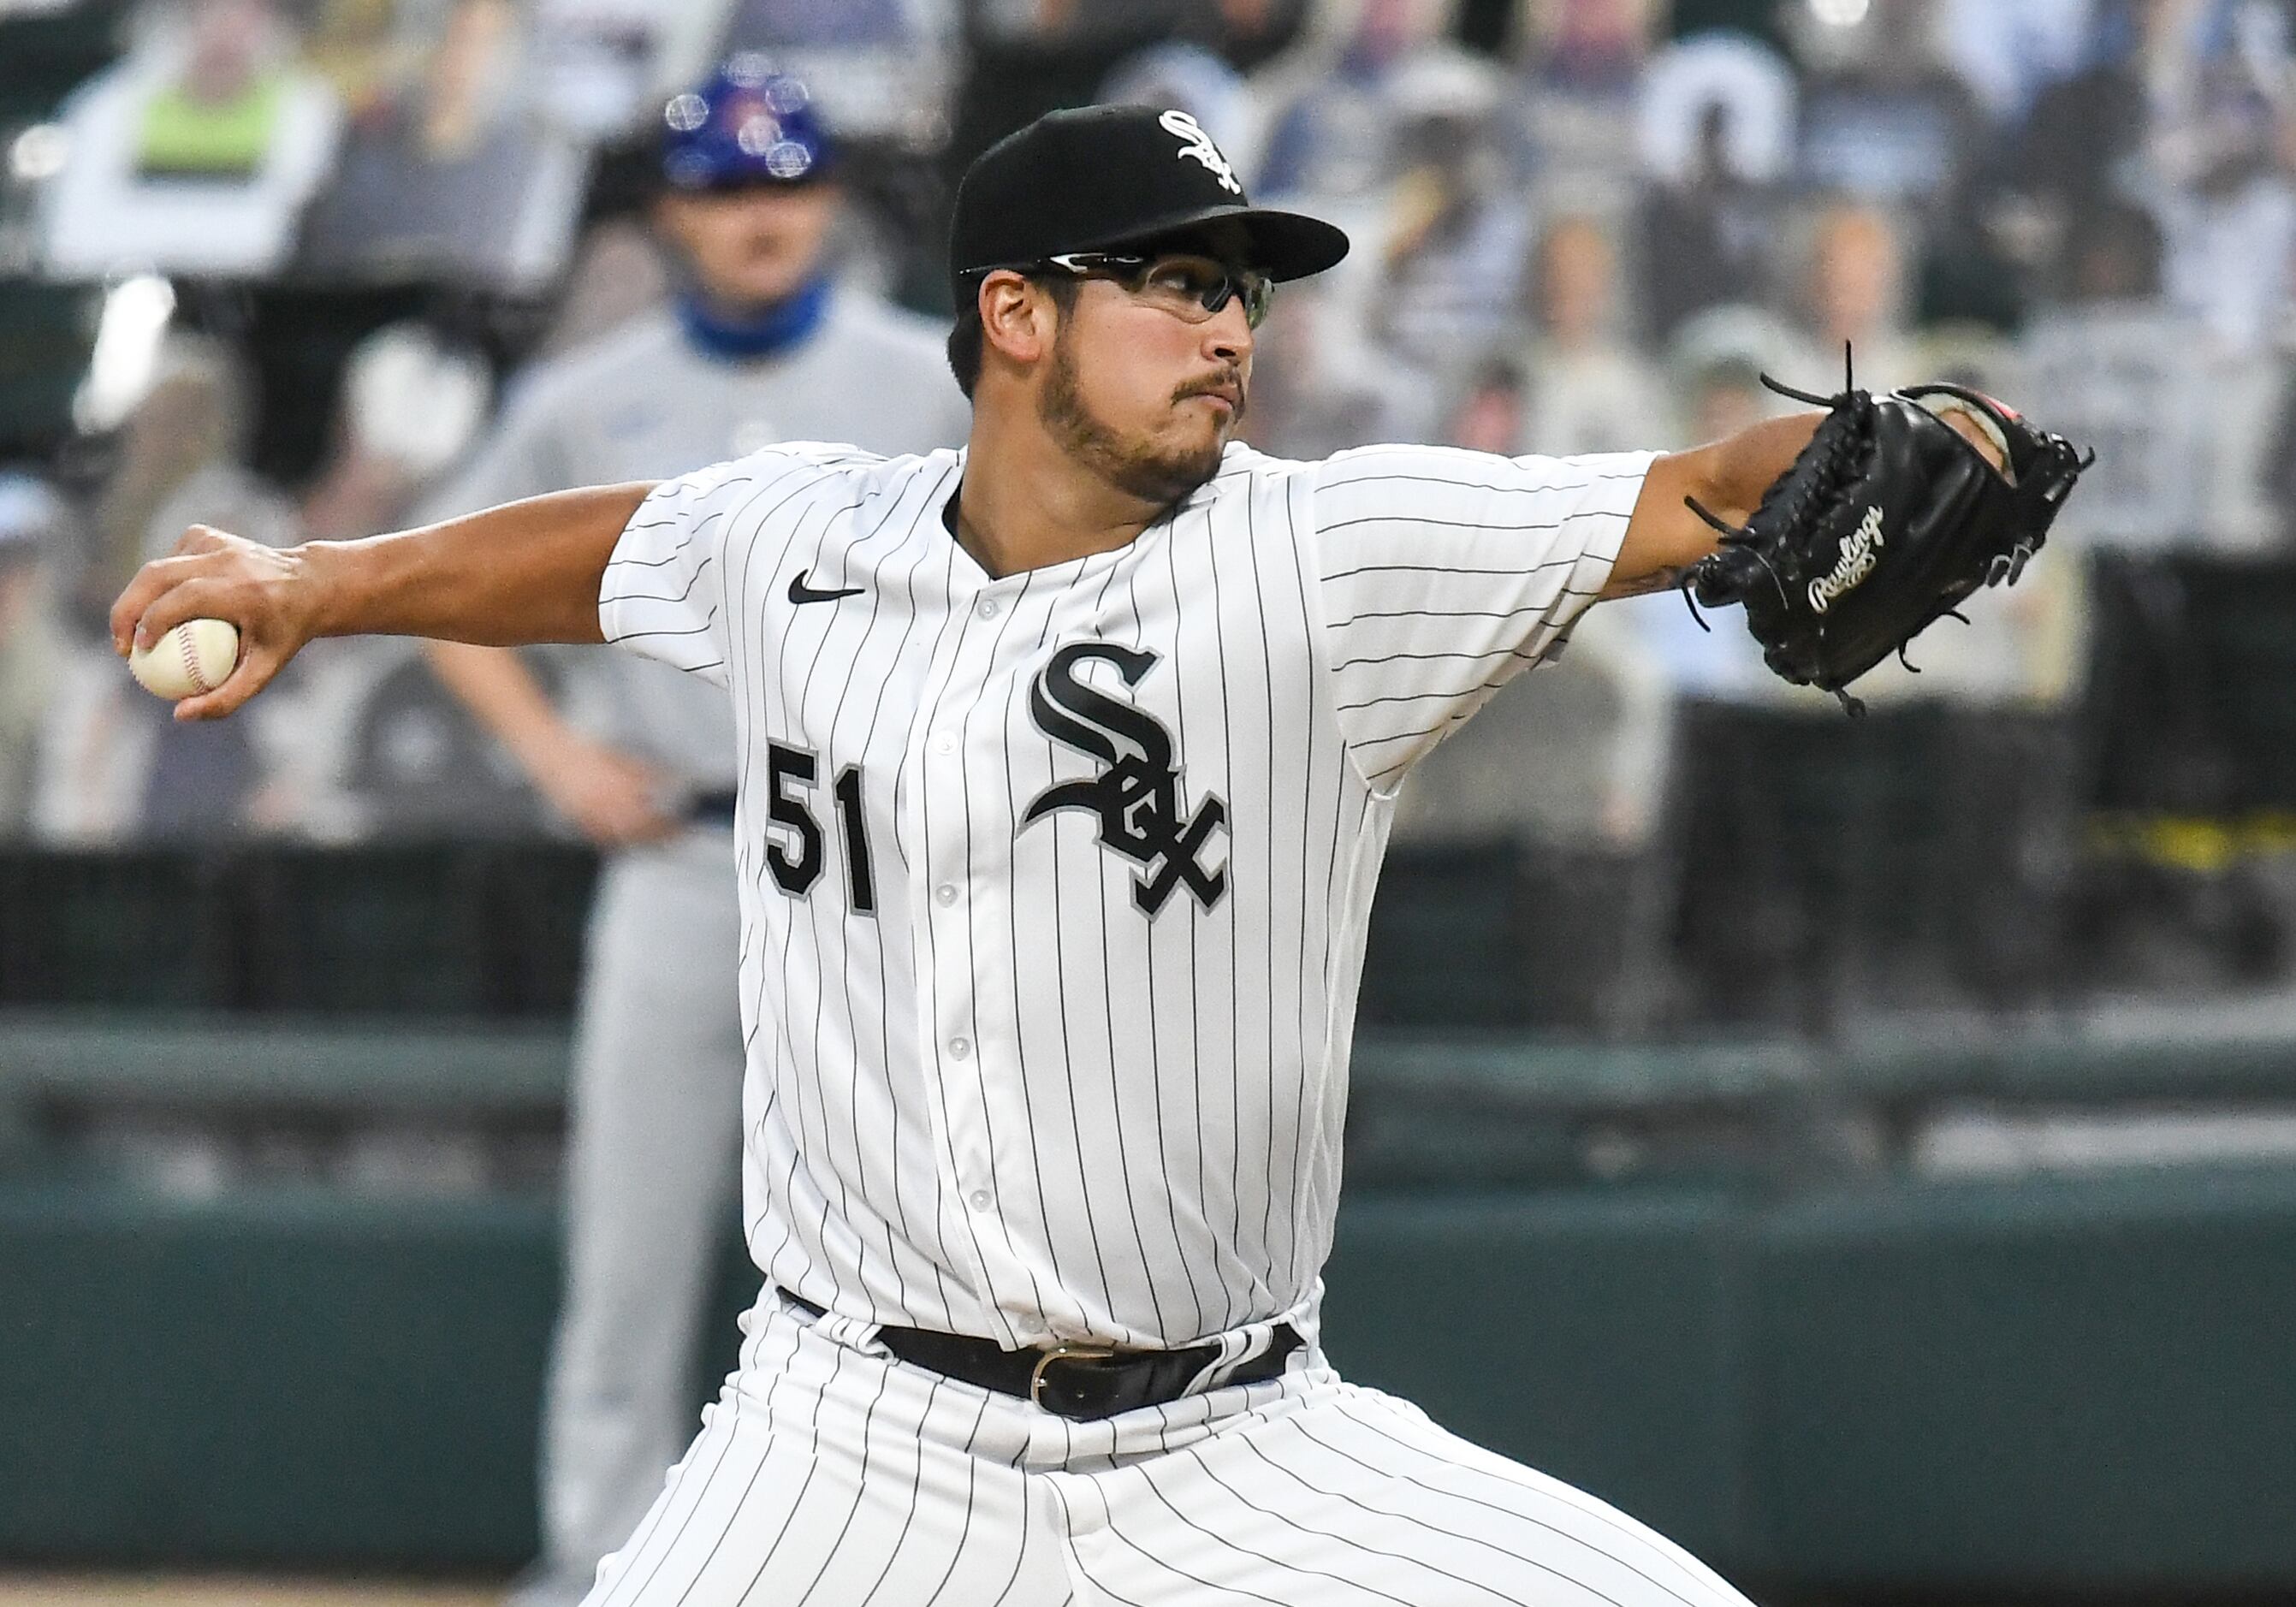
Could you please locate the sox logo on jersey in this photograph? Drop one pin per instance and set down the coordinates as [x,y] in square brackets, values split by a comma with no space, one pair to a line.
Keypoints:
[1005,1081]
[1136,797]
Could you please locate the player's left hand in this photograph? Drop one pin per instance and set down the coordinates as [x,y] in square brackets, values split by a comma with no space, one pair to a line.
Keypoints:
[265,592]
[1900,506]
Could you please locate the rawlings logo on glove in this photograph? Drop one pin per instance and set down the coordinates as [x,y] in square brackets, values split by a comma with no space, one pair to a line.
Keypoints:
[1858,554]
[1825,593]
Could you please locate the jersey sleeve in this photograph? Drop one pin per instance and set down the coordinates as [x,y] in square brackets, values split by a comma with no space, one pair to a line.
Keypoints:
[1445,573]
[663,594]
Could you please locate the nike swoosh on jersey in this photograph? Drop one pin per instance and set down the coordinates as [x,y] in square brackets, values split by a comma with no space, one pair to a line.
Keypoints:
[800,592]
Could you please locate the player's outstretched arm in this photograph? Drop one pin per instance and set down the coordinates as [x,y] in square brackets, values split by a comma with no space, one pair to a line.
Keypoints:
[1666,536]
[1727,477]
[527,571]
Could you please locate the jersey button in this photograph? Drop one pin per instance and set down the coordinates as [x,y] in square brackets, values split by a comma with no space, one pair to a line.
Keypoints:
[960,1046]
[944,894]
[979,1200]
[988,608]
[944,741]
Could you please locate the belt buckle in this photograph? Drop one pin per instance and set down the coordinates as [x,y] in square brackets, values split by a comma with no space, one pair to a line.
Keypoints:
[1061,1353]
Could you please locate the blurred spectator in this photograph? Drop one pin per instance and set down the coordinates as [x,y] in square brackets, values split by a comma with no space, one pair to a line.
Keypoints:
[2217,78]
[1979,260]
[1251,33]
[457,180]
[885,68]
[116,764]
[412,404]
[1246,33]
[2129,376]
[1591,47]
[1379,123]
[1714,367]
[362,736]
[1883,115]
[2083,132]
[195,153]
[379,749]
[367,49]
[1333,115]
[618,272]
[1440,281]
[1721,103]
[180,457]
[34,522]
[605,66]
[2009,53]
[1707,220]
[1583,62]
[1489,416]
[1589,390]
[1854,296]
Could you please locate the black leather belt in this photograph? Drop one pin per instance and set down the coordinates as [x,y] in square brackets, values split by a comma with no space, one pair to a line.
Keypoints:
[1074,1381]
[710,809]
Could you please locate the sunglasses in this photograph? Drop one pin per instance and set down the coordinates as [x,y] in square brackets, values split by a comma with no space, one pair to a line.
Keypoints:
[1192,289]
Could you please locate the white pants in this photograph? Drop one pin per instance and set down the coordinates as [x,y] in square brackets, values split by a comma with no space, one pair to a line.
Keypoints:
[829,1473]
[653,1164]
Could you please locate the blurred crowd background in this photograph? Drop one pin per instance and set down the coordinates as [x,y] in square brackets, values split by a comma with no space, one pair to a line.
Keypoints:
[275,266]
[1860,1147]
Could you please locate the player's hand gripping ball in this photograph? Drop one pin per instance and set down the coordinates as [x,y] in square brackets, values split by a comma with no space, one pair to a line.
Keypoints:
[1890,516]
[194,657]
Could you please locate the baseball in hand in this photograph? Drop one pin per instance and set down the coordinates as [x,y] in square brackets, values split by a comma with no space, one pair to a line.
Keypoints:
[194,657]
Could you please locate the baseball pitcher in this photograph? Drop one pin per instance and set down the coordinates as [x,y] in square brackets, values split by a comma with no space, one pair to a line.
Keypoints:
[1066,766]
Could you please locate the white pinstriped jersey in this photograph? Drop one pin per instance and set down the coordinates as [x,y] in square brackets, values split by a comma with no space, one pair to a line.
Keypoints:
[1054,885]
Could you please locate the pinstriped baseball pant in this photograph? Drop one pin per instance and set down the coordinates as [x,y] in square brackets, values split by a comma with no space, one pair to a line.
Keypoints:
[829,1473]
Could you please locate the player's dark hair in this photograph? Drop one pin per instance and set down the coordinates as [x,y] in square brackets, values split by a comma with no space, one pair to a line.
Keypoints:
[966,339]
[964,348]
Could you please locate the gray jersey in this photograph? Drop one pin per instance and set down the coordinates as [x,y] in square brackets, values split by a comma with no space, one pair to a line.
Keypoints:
[644,403]
[1053,885]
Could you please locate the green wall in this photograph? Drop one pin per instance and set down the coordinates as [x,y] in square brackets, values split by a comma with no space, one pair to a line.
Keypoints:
[2064,1385]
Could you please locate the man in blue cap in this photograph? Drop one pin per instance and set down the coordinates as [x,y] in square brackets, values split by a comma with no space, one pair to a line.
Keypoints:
[757,345]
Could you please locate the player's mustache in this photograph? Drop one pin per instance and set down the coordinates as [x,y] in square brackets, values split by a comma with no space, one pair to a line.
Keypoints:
[1227,383]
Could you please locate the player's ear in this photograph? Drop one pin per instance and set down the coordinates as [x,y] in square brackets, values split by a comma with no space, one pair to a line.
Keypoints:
[1016,316]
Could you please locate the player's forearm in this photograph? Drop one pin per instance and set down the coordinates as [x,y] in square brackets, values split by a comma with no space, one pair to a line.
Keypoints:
[1726,478]
[528,571]
[525,573]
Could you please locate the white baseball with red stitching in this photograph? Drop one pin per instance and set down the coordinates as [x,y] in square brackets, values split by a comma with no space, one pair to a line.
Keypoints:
[194,657]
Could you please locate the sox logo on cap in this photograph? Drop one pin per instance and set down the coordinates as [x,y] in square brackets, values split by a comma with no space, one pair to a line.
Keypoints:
[1197,146]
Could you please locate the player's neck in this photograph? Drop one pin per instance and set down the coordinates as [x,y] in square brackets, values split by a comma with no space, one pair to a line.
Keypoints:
[1026,503]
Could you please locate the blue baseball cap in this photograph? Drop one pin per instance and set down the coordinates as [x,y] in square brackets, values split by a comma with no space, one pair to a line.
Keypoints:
[745,125]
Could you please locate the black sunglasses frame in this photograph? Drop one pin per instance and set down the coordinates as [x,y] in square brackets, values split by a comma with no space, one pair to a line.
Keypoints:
[1129,267]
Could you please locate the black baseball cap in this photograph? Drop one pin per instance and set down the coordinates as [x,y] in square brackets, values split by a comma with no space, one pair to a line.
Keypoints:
[1101,177]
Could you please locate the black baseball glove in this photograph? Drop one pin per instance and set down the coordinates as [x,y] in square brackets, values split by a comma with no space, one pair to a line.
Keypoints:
[1888,518]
